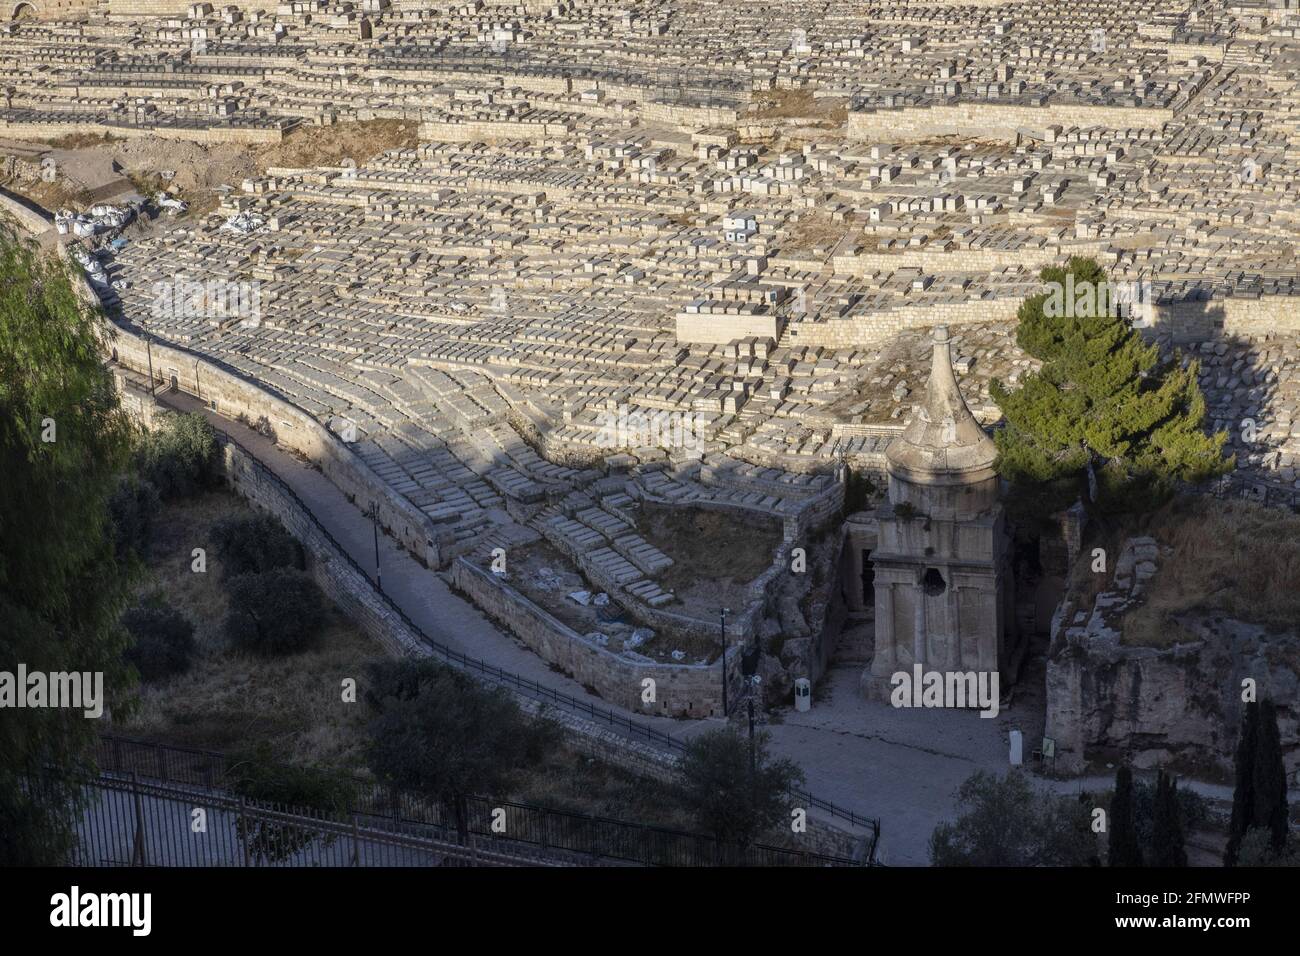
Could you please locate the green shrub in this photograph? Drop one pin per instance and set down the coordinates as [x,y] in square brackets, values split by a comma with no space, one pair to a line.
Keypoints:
[1257,850]
[1005,821]
[252,544]
[180,458]
[257,776]
[132,506]
[276,613]
[732,786]
[438,732]
[164,640]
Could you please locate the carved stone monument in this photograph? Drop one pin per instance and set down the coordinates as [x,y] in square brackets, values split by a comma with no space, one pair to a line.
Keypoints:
[941,572]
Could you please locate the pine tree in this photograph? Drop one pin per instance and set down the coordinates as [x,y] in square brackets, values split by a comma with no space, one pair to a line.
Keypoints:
[1243,794]
[1123,848]
[1103,400]
[1270,807]
[1166,827]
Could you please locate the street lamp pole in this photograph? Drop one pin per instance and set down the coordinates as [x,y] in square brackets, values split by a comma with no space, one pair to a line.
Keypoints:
[723,635]
[374,518]
[753,754]
[148,347]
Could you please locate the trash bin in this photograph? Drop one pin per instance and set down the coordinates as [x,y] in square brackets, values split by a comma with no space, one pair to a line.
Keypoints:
[802,694]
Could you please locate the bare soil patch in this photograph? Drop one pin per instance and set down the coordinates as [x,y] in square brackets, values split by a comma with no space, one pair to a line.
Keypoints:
[715,553]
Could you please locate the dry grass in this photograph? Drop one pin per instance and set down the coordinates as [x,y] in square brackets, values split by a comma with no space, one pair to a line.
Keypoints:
[571,780]
[201,170]
[81,140]
[229,700]
[329,145]
[52,196]
[817,229]
[1230,558]
[715,553]
[792,104]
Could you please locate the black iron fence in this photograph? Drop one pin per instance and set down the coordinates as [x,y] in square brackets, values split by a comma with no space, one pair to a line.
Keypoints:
[131,822]
[510,826]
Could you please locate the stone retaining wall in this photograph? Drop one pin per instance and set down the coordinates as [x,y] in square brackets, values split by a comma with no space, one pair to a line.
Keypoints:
[28,219]
[198,134]
[1177,323]
[294,429]
[681,690]
[1002,120]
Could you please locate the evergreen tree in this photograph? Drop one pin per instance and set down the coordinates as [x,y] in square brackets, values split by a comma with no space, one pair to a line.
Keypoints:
[1167,829]
[1123,847]
[1102,401]
[1007,821]
[438,732]
[1243,794]
[732,791]
[1270,807]
[64,581]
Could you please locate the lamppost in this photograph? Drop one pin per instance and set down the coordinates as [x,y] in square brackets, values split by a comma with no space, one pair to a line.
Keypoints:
[723,636]
[753,754]
[149,351]
[374,519]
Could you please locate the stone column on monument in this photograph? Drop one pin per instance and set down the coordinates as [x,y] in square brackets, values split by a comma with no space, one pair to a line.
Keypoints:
[884,661]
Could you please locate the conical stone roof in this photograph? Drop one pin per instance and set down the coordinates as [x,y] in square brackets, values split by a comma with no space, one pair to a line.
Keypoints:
[942,444]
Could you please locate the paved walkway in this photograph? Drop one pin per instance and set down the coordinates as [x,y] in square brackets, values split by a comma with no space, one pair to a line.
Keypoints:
[904,765]
[421,593]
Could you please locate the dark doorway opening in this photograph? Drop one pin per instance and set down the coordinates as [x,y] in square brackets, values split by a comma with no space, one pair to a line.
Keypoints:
[868,579]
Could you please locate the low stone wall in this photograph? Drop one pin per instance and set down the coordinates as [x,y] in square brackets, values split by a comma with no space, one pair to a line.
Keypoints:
[1001,120]
[1195,322]
[718,328]
[876,327]
[936,259]
[681,690]
[197,134]
[294,429]
[342,583]
[1176,323]
[28,219]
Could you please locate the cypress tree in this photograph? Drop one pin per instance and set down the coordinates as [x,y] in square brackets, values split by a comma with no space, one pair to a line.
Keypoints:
[1122,843]
[1270,808]
[1166,827]
[1243,794]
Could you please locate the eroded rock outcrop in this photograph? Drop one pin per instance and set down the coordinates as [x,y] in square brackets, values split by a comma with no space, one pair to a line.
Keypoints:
[1180,703]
